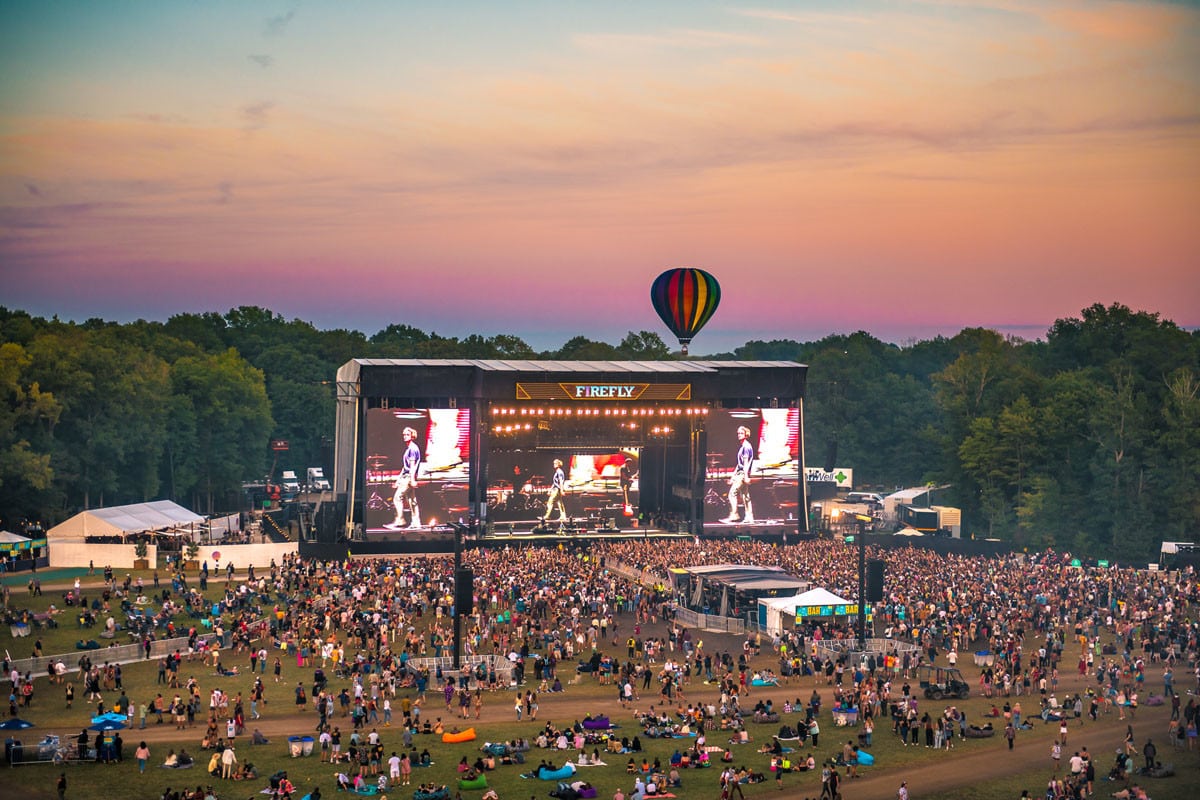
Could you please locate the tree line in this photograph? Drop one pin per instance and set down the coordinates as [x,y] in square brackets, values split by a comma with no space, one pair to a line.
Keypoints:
[1088,440]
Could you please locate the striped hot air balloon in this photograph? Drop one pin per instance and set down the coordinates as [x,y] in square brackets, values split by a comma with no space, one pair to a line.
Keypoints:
[685,298]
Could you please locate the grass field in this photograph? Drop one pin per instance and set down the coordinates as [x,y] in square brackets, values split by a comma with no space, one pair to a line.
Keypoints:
[975,770]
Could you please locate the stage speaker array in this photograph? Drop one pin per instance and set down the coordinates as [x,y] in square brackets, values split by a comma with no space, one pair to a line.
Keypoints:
[831,455]
[464,586]
[874,581]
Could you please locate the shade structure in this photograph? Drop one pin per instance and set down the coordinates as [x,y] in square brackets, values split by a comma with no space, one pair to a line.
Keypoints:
[15,724]
[107,725]
[12,542]
[123,521]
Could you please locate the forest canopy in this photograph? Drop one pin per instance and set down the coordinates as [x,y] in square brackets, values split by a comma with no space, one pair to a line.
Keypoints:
[1088,440]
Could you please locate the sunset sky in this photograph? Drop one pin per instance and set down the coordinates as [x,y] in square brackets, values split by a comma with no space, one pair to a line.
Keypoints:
[905,168]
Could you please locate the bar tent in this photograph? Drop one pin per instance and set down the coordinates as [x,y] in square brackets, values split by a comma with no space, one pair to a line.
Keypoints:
[775,613]
[13,542]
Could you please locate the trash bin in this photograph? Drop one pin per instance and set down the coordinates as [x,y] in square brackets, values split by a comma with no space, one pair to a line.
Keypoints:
[295,746]
[983,658]
[306,743]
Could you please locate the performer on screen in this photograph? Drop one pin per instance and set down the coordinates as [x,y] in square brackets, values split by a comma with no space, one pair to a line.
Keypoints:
[406,484]
[626,480]
[555,501]
[739,484]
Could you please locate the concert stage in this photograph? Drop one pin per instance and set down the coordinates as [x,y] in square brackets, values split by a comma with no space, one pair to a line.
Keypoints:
[618,449]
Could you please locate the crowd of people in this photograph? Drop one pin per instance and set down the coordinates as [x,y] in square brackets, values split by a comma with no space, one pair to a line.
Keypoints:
[342,638]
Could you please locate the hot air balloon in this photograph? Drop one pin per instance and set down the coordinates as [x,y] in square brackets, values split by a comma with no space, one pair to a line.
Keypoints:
[685,298]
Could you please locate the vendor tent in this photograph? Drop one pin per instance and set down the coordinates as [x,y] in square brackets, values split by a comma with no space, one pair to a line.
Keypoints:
[123,521]
[12,542]
[775,612]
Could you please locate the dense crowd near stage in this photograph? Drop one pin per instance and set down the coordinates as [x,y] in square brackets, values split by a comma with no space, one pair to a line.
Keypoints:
[554,616]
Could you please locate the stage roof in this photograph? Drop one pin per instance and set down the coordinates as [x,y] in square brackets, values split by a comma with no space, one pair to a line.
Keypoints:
[744,384]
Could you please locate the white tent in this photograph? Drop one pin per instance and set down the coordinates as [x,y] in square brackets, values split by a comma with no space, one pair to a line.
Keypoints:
[123,521]
[12,542]
[774,613]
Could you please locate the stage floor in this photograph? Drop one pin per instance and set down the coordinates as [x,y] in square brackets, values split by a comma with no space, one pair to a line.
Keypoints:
[530,530]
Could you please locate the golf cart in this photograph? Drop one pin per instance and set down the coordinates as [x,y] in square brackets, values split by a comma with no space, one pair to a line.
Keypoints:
[940,682]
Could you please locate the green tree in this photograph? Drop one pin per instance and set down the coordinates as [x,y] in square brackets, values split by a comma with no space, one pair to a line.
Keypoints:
[1178,453]
[398,341]
[1120,485]
[107,445]
[233,420]
[987,374]
[580,348]
[26,412]
[644,346]
[180,468]
[774,350]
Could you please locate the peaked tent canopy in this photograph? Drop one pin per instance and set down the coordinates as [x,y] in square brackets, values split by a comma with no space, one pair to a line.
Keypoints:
[11,542]
[819,597]
[123,521]
[776,613]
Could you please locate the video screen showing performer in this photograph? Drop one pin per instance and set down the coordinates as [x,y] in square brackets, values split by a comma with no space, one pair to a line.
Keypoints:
[739,482]
[753,466]
[417,468]
[558,486]
[539,487]
[405,498]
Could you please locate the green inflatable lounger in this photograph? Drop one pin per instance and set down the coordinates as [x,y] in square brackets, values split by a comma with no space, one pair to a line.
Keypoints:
[478,782]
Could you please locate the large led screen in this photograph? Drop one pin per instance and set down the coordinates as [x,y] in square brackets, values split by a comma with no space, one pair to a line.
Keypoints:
[753,466]
[596,486]
[417,468]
